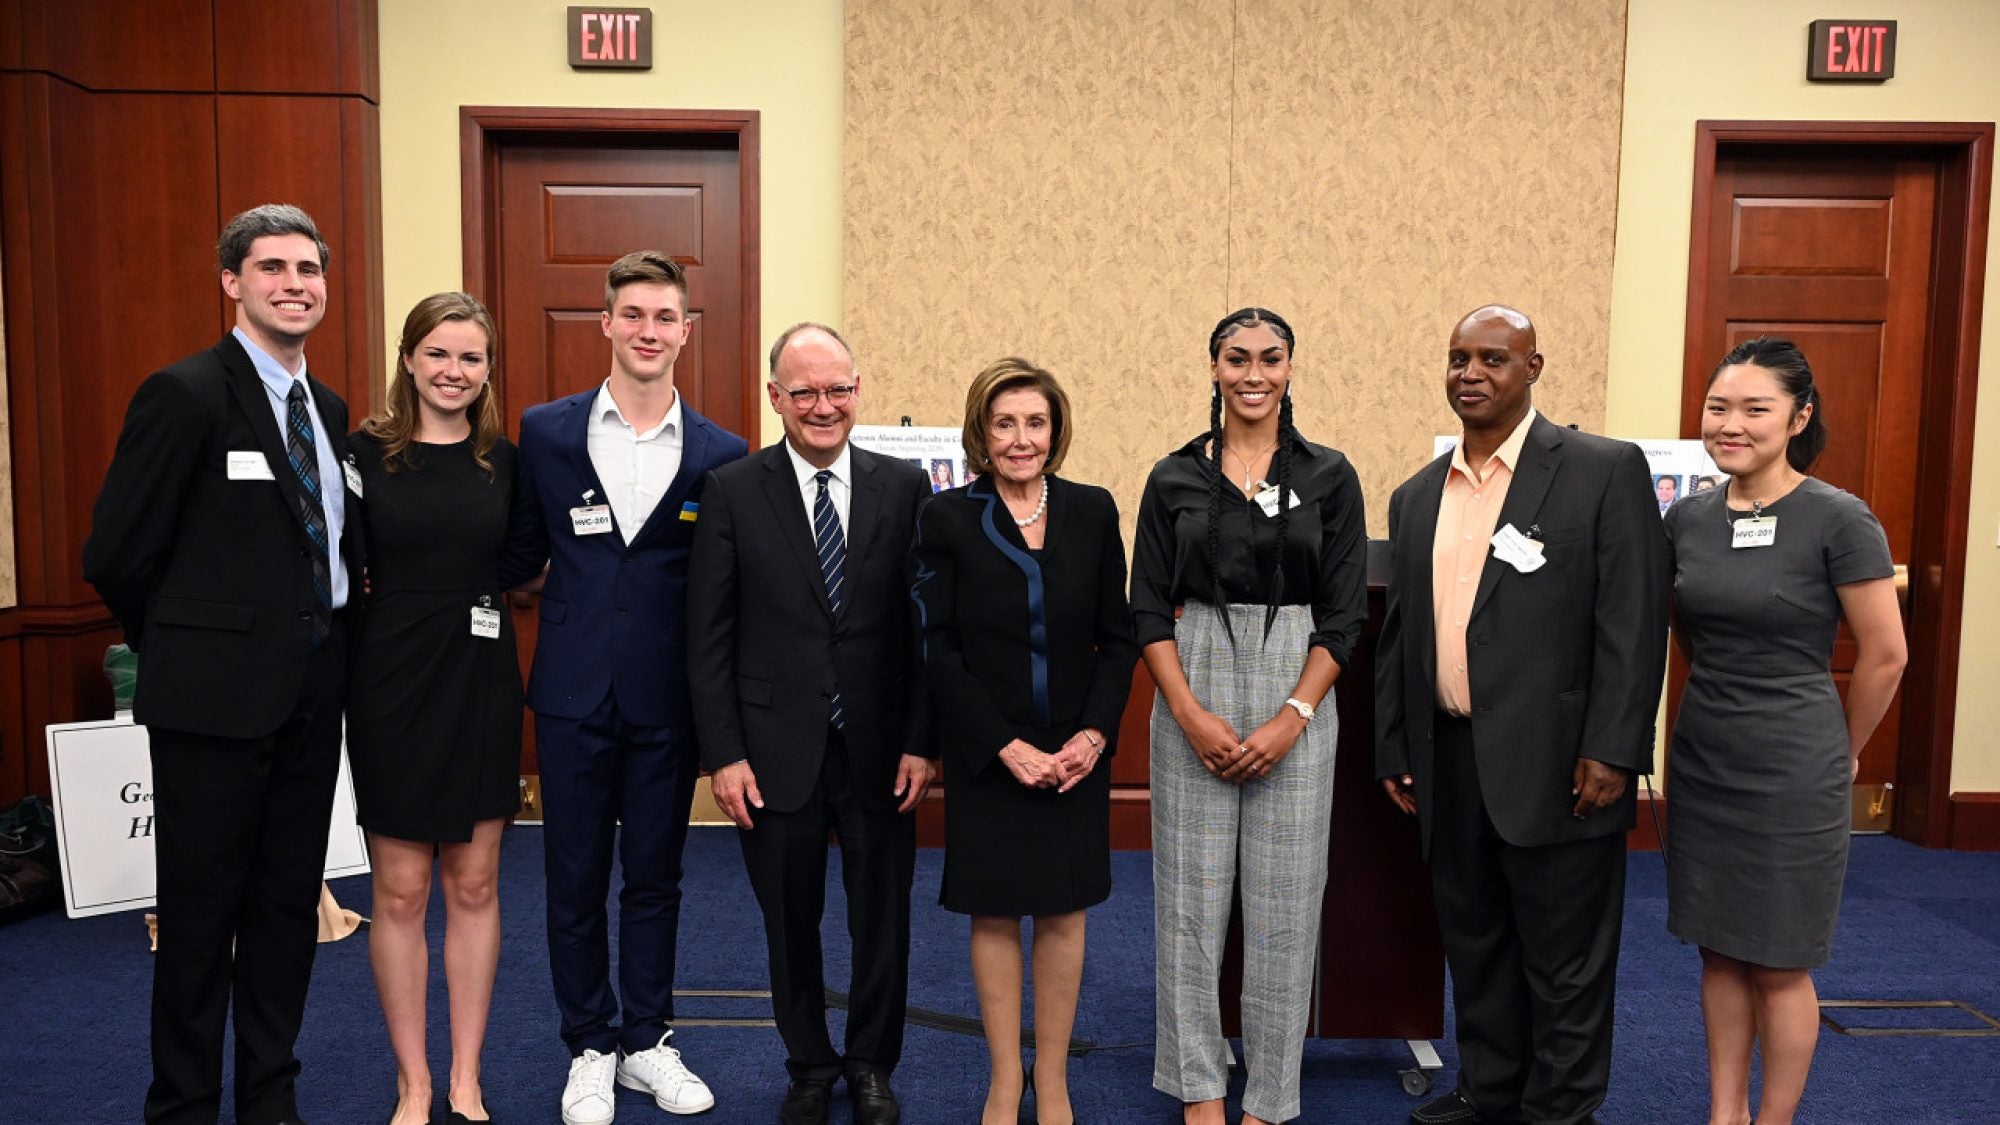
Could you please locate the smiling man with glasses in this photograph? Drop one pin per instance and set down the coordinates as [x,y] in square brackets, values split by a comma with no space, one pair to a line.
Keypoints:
[810,712]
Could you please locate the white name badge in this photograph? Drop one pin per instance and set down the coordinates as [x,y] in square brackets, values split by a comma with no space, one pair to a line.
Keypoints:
[1754,532]
[485,622]
[591,519]
[353,478]
[1267,499]
[249,465]
[1517,550]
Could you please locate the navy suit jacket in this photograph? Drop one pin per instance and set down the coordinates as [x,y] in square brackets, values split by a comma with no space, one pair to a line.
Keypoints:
[613,613]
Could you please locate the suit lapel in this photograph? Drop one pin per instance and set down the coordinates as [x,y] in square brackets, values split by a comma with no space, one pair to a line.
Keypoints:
[576,438]
[864,506]
[1541,454]
[1055,514]
[788,509]
[694,459]
[255,402]
[1420,532]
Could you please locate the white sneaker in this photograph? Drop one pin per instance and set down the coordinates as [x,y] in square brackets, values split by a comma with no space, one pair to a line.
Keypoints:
[659,1071]
[588,1098]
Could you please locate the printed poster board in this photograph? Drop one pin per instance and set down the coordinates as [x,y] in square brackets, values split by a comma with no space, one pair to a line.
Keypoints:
[934,449]
[101,783]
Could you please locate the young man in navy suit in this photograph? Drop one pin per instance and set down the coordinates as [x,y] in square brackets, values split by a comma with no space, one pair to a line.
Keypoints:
[615,474]
[221,542]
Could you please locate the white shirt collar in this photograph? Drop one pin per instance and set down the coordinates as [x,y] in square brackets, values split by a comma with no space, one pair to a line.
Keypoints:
[843,465]
[606,405]
[267,366]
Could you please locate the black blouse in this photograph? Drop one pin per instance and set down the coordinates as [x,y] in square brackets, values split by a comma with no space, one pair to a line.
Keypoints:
[1326,545]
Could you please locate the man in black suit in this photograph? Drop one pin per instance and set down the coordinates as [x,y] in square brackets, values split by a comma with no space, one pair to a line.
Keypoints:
[221,543]
[1520,666]
[810,709]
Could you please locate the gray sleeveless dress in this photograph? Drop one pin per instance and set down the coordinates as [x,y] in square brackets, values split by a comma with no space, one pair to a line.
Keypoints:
[1758,779]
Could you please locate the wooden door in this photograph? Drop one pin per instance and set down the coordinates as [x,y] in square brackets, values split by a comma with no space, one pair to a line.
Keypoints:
[565,212]
[1833,248]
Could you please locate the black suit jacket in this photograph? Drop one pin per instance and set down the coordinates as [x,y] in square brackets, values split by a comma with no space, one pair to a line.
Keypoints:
[211,577]
[1014,649]
[765,649]
[1565,662]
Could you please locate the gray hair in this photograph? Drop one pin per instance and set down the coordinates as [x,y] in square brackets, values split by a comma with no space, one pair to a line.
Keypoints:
[261,222]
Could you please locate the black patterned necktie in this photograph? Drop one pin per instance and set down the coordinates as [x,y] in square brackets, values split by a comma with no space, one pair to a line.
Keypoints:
[831,544]
[303,452]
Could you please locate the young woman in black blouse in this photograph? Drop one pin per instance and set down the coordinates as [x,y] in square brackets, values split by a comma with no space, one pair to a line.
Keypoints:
[1248,596]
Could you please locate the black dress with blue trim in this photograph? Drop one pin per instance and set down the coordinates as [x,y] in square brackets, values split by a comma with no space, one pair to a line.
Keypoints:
[1034,645]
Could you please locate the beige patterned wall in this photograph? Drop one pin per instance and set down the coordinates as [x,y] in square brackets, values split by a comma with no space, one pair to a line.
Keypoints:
[1092,183]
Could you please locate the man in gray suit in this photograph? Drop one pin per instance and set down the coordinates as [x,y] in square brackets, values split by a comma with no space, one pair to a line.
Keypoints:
[1520,667]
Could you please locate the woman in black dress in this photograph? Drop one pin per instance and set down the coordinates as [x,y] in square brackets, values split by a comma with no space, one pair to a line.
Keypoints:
[1020,587]
[1764,751]
[434,708]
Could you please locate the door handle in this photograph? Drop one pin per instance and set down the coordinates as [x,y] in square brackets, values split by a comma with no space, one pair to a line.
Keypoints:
[1902,580]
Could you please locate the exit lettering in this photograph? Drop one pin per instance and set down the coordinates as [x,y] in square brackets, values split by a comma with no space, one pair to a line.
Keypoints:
[1855,50]
[609,36]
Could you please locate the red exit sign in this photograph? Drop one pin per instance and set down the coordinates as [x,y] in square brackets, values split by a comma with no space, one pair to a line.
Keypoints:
[611,38]
[1852,51]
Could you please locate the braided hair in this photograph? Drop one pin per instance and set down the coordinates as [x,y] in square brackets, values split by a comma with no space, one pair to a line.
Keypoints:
[1225,328]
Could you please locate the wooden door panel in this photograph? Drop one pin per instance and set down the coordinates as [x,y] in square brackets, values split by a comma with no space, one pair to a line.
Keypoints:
[591,222]
[566,212]
[1832,248]
[1851,237]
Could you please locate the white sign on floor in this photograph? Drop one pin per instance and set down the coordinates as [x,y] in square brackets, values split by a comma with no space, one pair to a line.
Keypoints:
[101,782]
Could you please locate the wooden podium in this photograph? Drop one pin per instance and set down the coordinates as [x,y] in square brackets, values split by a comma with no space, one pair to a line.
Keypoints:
[1381,965]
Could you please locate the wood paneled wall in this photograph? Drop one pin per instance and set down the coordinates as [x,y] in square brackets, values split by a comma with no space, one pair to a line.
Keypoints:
[132,133]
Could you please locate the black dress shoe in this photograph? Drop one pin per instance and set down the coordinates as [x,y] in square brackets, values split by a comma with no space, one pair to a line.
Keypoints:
[806,1102]
[1452,1109]
[874,1102]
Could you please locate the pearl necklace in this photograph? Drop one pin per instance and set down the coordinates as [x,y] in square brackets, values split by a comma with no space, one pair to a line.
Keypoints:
[1040,509]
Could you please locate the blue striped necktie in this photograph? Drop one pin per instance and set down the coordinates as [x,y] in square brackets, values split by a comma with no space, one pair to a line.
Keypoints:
[303,452]
[831,544]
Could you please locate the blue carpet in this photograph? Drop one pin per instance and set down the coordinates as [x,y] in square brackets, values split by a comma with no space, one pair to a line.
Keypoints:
[1916,925]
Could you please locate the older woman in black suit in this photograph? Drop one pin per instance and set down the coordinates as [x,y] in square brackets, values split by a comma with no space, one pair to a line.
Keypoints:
[1020,584]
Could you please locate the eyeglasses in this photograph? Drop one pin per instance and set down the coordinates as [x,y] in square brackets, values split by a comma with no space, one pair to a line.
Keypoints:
[808,398]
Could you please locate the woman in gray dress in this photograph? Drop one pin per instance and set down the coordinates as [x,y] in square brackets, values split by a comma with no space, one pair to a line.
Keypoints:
[1764,752]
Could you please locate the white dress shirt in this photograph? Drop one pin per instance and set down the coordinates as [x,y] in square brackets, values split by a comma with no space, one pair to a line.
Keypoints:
[838,487]
[332,484]
[634,468]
